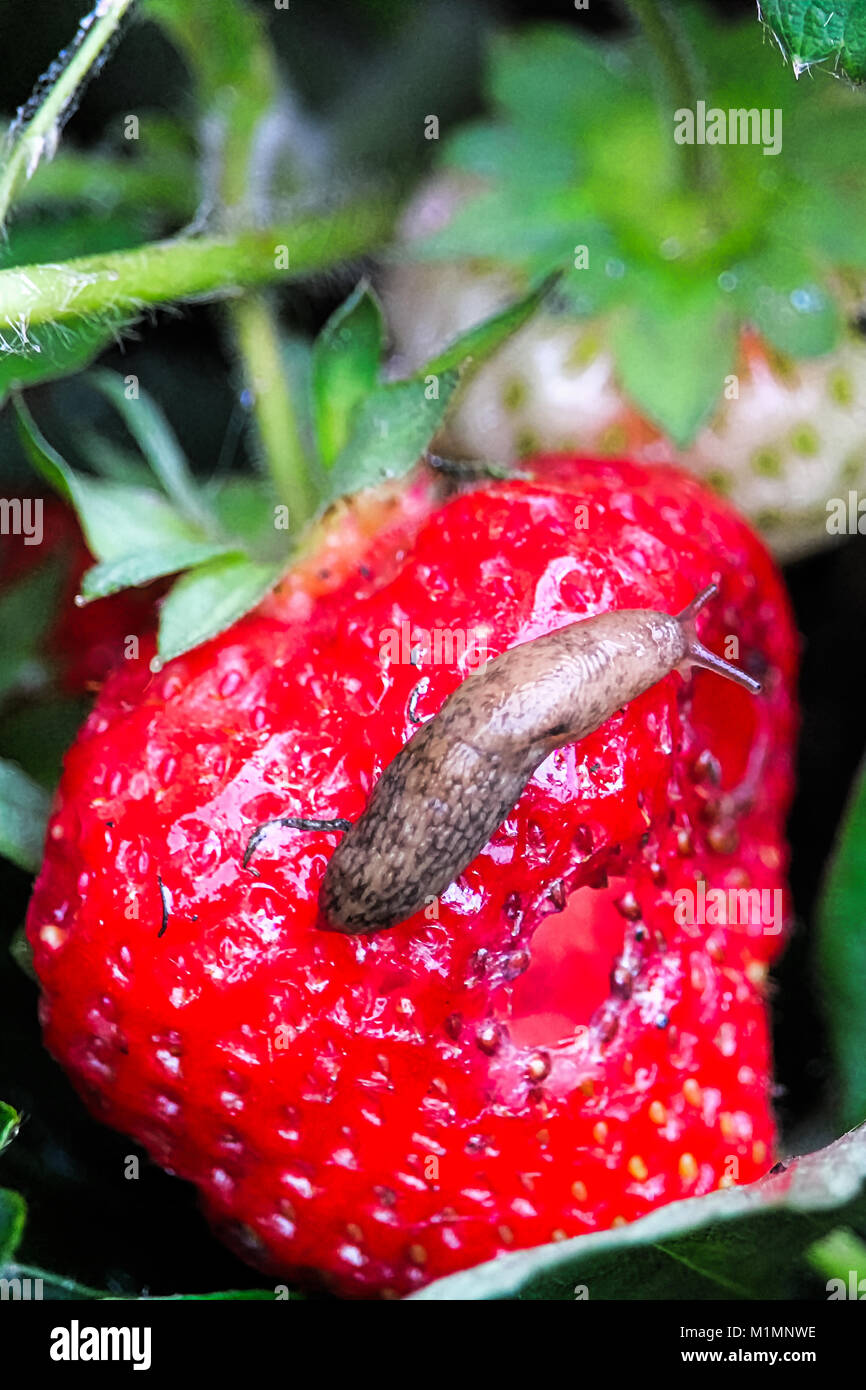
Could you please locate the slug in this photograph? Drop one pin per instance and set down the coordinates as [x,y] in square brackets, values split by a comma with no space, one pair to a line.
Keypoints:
[448,789]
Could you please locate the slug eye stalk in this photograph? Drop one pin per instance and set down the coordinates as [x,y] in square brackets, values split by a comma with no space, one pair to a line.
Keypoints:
[699,655]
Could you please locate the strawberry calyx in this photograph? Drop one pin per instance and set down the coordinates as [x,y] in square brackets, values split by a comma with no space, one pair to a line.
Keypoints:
[578,142]
[232,541]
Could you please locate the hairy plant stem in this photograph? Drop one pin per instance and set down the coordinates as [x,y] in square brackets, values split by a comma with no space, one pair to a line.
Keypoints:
[679,71]
[36,135]
[123,283]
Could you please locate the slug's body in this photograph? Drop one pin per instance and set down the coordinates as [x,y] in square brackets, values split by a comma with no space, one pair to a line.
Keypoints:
[449,788]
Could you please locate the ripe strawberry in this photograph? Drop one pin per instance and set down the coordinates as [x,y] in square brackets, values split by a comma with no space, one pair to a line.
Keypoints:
[708,318]
[493,1073]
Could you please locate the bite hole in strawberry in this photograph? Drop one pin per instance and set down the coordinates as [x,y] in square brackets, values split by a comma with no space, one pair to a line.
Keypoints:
[572,954]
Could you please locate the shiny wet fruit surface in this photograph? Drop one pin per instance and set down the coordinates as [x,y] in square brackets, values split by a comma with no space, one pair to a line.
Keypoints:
[555,1045]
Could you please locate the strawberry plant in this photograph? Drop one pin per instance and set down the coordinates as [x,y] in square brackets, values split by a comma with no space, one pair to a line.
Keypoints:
[363,489]
[714,230]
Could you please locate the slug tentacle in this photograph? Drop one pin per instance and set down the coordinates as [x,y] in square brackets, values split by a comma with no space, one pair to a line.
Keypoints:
[448,789]
[699,655]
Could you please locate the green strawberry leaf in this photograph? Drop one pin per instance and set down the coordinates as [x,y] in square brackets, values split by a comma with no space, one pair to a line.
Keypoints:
[673,353]
[477,344]
[826,137]
[392,426]
[110,460]
[10,1121]
[820,31]
[46,461]
[832,227]
[345,368]
[751,1242]
[484,149]
[391,431]
[597,277]
[842,955]
[549,78]
[157,442]
[243,509]
[117,519]
[24,807]
[143,566]
[138,536]
[782,296]
[494,224]
[208,600]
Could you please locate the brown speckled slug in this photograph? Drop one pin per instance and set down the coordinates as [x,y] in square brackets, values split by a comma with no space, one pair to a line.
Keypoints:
[448,789]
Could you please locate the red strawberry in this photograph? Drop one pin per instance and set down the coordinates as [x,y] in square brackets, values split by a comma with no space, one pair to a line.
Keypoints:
[492,1073]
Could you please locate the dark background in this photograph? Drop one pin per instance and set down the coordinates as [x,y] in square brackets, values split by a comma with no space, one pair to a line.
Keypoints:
[379,67]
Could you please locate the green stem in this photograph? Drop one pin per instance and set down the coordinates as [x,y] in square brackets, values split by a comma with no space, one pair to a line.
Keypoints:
[275,412]
[226,48]
[231,60]
[115,185]
[38,135]
[124,283]
[678,68]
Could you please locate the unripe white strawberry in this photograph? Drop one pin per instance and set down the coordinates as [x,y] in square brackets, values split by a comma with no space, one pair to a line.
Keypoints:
[787,435]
